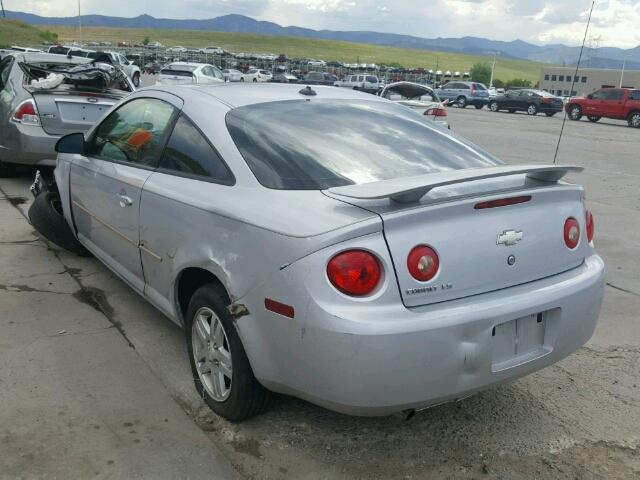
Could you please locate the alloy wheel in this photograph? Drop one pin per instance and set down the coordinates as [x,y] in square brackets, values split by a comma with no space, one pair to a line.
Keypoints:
[212,354]
[634,121]
[532,110]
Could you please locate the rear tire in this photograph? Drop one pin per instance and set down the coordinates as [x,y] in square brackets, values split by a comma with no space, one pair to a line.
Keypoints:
[461,102]
[242,79]
[47,218]
[136,80]
[493,106]
[634,119]
[532,109]
[550,114]
[255,80]
[512,110]
[575,112]
[593,118]
[7,170]
[240,396]
[479,106]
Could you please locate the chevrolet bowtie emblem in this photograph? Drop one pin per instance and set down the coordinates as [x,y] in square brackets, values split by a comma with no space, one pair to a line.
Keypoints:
[509,237]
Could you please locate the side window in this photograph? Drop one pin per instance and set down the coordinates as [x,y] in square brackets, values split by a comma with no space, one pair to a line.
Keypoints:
[217,73]
[635,95]
[5,69]
[599,95]
[134,133]
[614,94]
[464,86]
[189,153]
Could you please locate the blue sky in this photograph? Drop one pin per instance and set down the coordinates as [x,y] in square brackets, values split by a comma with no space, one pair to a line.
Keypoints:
[615,23]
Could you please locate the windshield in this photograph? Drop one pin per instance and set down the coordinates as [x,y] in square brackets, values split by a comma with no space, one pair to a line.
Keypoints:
[313,145]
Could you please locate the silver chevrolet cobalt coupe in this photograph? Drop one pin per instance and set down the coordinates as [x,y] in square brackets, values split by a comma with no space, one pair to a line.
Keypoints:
[331,245]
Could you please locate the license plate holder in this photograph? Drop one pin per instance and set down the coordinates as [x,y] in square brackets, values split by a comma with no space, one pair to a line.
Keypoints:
[518,341]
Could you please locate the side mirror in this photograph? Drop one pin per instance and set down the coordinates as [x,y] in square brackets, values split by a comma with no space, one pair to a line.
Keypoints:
[72,143]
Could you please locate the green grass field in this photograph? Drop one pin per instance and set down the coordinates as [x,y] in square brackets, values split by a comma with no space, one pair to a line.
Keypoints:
[307,48]
[13,32]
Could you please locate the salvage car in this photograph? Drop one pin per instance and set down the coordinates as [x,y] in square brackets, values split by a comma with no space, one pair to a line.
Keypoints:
[178,73]
[317,242]
[127,66]
[45,96]
[418,97]
[527,100]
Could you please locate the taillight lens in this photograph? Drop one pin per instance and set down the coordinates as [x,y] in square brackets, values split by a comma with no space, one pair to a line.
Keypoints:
[354,272]
[26,113]
[436,112]
[571,233]
[423,263]
[591,226]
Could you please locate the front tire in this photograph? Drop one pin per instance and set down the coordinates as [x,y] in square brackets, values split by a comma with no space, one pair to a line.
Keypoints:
[634,119]
[532,109]
[221,371]
[593,118]
[136,80]
[242,79]
[462,102]
[47,217]
[550,114]
[493,106]
[575,113]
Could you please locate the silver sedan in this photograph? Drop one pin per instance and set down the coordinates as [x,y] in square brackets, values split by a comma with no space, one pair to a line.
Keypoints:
[332,245]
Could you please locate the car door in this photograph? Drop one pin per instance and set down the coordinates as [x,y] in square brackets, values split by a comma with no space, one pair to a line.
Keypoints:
[190,164]
[594,104]
[106,183]
[613,103]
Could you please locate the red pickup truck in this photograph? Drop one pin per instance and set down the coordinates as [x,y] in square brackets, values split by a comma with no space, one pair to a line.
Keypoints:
[617,103]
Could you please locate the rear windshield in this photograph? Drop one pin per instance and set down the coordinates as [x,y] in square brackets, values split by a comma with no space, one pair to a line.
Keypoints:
[179,69]
[313,145]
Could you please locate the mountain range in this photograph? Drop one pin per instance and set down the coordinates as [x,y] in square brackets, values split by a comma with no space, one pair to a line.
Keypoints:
[604,57]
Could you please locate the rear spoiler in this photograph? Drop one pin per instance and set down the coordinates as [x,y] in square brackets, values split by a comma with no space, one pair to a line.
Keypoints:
[412,189]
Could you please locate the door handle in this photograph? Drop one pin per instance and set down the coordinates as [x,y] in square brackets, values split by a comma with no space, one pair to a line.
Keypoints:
[125,201]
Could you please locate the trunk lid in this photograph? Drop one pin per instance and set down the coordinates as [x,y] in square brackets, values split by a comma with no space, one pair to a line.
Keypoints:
[65,111]
[474,245]
[176,77]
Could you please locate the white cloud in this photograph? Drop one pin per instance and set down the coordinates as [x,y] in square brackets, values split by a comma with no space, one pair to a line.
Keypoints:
[615,22]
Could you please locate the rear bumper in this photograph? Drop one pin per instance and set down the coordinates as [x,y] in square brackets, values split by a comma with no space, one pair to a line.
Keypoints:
[392,358]
[27,145]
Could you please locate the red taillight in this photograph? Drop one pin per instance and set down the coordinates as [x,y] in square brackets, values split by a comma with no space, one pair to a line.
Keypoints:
[591,226]
[502,202]
[571,233]
[26,113]
[354,272]
[436,112]
[423,263]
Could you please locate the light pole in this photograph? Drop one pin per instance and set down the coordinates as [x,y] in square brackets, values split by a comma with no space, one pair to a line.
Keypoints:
[493,67]
[624,64]
[4,15]
[79,23]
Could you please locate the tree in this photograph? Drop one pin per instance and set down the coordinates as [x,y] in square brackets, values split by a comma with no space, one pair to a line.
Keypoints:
[498,83]
[481,73]
[519,82]
[146,41]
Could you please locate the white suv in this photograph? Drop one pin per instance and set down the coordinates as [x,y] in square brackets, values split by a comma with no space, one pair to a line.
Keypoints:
[360,82]
[257,75]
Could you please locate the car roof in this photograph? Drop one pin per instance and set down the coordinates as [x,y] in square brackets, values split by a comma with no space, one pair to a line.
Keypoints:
[238,95]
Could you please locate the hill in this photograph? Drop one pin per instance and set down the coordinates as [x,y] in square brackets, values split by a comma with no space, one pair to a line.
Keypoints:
[506,69]
[560,54]
[15,32]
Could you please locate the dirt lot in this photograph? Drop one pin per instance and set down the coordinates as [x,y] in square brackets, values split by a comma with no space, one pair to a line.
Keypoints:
[579,419]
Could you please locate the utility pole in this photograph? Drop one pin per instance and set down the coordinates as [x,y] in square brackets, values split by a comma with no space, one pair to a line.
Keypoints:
[4,15]
[80,23]
[493,67]
[624,64]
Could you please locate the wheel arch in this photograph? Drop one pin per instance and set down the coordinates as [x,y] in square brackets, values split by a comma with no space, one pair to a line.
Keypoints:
[188,281]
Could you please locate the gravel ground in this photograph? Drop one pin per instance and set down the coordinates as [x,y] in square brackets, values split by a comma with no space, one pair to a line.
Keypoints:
[579,419]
